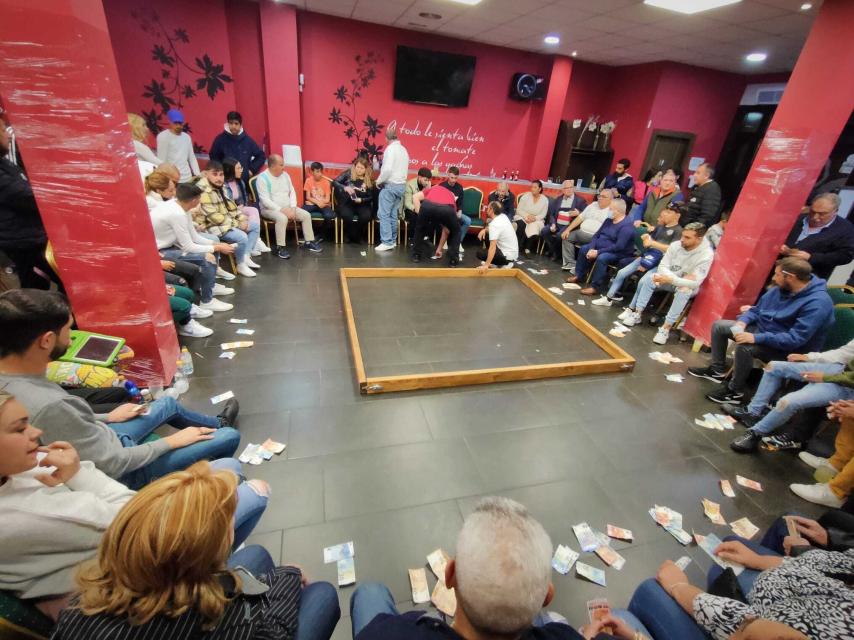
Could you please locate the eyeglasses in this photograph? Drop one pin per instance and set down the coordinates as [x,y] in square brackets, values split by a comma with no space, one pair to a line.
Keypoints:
[786,273]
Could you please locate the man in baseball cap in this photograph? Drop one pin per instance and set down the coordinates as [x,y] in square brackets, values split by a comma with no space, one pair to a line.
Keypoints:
[175,145]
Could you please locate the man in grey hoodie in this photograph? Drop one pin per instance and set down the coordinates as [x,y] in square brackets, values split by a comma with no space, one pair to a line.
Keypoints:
[682,270]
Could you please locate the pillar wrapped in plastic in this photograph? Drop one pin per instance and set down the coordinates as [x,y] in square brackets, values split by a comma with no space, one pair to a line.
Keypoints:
[60,85]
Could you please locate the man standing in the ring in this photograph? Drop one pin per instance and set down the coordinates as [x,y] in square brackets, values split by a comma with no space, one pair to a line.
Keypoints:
[392,181]
[436,207]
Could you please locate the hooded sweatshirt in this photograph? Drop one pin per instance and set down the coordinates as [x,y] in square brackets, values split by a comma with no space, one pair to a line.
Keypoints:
[240,147]
[791,322]
[679,263]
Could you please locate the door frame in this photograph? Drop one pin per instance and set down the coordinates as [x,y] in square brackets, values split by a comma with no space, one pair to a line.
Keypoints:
[684,135]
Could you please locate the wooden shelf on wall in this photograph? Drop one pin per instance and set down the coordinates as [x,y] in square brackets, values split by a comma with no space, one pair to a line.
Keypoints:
[571,161]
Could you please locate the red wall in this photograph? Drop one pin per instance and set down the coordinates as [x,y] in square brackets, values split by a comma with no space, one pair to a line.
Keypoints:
[588,91]
[487,136]
[247,67]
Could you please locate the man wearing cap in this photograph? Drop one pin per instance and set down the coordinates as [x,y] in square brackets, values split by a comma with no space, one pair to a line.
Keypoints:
[175,146]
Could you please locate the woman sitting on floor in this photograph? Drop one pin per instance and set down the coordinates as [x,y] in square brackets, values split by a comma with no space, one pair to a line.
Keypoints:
[56,509]
[163,571]
[530,215]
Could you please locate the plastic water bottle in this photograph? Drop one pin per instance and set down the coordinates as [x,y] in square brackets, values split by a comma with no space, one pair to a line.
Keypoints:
[134,391]
[180,384]
[185,363]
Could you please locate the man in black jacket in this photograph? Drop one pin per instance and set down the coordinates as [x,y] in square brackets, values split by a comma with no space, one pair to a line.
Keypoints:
[821,237]
[503,196]
[22,235]
[704,201]
[235,143]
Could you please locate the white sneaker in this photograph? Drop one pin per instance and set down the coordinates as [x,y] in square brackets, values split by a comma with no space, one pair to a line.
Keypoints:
[509,265]
[816,462]
[194,330]
[817,493]
[602,301]
[262,247]
[216,305]
[632,319]
[625,314]
[384,247]
[462,251]
[245,271]
[222,290]
[225,275]
[254,253]
[197,312]
[251,263]
[661,336]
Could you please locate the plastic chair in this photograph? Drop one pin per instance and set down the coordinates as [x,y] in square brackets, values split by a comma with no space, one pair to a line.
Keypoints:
[842,295]
[265,223]
[842,331]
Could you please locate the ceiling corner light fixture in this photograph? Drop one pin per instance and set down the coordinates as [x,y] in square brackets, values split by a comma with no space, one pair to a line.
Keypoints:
[689,6]
[756,56]
[806,6]
[429,16]
[551,40]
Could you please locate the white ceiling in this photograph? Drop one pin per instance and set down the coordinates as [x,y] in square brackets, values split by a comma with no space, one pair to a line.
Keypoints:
[611,32]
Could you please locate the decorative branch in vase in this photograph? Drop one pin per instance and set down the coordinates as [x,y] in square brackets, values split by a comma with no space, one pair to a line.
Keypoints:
[589,126]
[607,128]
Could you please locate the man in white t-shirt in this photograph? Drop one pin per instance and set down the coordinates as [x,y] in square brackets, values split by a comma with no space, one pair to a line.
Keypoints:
[503,244]
[582,229]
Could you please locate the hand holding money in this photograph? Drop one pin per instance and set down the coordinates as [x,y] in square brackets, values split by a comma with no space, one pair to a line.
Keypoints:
[609,624]
[810,529]
[735,551]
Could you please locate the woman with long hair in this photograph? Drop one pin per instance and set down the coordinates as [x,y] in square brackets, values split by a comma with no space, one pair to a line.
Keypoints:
[139,133]
[354,193]
[163,571]
[234,189]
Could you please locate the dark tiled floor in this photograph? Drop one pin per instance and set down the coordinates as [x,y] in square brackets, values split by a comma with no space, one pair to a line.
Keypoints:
[396,473]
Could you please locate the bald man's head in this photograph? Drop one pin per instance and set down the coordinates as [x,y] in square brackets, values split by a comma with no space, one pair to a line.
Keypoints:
[276,164]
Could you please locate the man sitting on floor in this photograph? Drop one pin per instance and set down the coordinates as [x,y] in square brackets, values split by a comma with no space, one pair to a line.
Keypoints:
[562,210]
[614,243]
[682,270]
[828,381]
[503,243]
[504,197]
[501,577]
[436,206]
[655,242]
[34,329]
[790,317]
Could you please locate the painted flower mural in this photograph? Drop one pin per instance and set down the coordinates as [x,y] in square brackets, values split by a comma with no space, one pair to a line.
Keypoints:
[363,131]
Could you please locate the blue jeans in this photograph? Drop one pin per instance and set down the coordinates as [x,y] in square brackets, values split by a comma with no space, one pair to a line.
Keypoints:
[646,287]
[318,608]
[198,259]
[622,275]
[465,223]
[747,577]
[600,266]
[391,195]
[167,411]
[242,240]
[812,395]
[250,506]
[773,538]
[664,618]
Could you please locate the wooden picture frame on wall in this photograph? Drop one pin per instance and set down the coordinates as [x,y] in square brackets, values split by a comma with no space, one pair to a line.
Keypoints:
[617,362]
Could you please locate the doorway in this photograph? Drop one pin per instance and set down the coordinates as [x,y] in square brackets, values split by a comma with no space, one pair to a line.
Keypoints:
[668,149]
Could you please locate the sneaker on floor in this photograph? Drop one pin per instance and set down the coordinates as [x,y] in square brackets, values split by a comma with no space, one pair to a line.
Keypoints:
[194,330]
[567,267]
[254,253]
[245,271]
[781,442]
[225,275]
[197,312]
[617,298]
[462,251]
[632,318]
[384,247]
[216,305]
[283,253]
[709,373]
[816,462]
[228,415]
[251,263]
[261,246]
[602,301]
[741,414]
[726,396]
[625,314]
[746,443]
[661,336]
[312,246]
[436,257]
[222,290]
[818,494]
[509,265]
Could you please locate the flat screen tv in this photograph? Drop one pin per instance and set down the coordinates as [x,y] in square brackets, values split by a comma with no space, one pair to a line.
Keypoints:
[433,77]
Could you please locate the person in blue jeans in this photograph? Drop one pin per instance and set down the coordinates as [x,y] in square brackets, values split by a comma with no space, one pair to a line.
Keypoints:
[452,184]
[392,181]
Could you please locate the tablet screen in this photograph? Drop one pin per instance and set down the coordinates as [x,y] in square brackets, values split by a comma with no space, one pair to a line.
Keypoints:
[97,349]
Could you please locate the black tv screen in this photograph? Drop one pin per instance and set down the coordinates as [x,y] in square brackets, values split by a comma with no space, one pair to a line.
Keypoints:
[433,77]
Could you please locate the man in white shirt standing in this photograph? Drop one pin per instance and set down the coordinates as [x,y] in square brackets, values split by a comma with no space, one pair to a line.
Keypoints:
[279,204]
[175,146]
[503,243]
[392,182]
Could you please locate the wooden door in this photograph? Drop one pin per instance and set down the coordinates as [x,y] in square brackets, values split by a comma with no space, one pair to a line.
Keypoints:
[668,149]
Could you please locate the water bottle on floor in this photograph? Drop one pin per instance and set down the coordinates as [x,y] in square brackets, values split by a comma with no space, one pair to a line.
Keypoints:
[185,363]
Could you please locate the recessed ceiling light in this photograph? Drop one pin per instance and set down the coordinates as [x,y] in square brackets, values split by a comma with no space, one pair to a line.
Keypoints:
[689,6]
[806,6]
[574,53]
[429,16]
[551,40]
[756,56]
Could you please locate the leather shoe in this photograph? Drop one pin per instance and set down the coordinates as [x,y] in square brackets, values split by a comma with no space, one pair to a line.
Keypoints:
[747,443]
[228,415]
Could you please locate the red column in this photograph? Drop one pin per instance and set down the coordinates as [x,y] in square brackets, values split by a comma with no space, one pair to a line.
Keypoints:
[552,112]
[814,109]
[59,81]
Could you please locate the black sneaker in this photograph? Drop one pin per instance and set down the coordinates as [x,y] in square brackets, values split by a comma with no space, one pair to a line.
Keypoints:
[312,246]
[781,442]
[709,373]
[416,257]
[747,443]
[228,415]
[726,396]
[741,414]
[453,262]
[283,253]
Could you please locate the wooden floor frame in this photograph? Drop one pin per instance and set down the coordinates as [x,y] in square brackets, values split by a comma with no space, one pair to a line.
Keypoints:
[619,360]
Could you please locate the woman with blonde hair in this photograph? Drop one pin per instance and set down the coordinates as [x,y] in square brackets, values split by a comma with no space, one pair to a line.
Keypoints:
[163,571]
[139,132]
[354,194]
[159,187]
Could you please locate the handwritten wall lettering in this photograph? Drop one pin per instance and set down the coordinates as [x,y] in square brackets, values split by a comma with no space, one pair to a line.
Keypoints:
[458,147]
